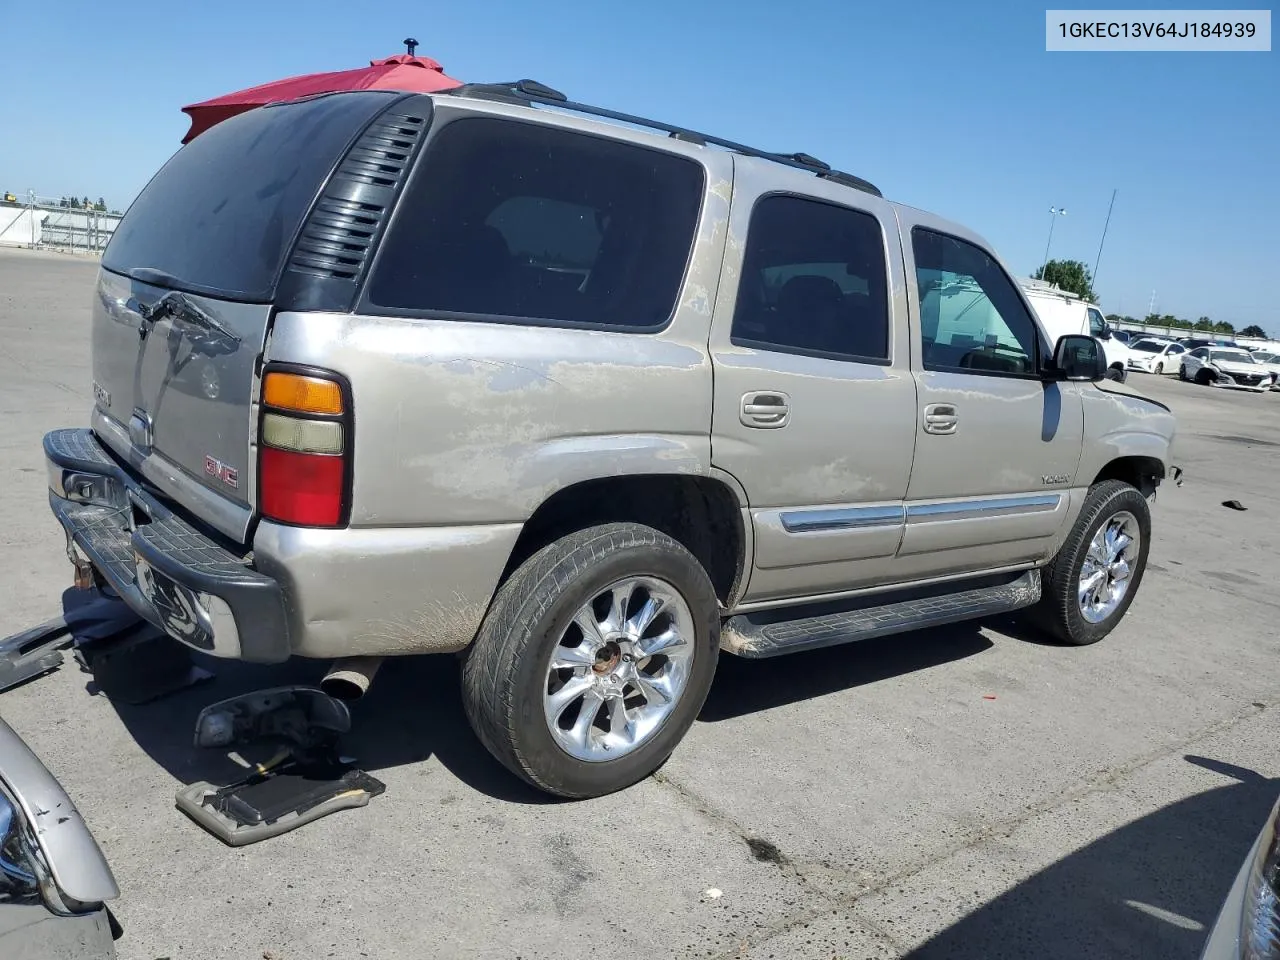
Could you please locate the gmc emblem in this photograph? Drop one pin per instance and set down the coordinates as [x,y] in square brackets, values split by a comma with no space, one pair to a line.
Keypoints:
[228,475]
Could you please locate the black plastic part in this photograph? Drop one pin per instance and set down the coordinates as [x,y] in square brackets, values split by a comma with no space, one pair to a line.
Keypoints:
[770,633]
[267,805]
[337,238]
[34,652]
[514,91]
[529,92]
[174,548]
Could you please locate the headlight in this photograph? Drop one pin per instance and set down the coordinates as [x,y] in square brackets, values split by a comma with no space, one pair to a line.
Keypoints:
[19,856]
[1260,918]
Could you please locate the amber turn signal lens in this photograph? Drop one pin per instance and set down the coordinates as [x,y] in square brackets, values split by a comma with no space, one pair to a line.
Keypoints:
[291,391]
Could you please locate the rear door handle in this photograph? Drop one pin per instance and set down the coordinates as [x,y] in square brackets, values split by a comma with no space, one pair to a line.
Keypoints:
[765,409]
[941,419]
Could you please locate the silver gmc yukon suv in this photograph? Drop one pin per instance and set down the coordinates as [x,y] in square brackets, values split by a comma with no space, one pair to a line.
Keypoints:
[586,398]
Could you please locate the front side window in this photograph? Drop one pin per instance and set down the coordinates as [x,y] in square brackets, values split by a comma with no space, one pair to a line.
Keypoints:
[525,222]
[813,281]
[971,317]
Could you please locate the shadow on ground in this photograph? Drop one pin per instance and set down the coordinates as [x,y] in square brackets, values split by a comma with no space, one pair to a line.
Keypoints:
[414,710]
[1150,889]
[411,713]
[750,686]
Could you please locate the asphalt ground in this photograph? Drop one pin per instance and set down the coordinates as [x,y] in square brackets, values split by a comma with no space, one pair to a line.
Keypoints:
[961,792]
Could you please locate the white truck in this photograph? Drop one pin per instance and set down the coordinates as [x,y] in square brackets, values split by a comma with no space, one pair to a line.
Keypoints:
[1062,312]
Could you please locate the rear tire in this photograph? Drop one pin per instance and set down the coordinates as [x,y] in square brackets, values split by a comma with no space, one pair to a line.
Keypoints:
[599,722]
[1069,609]
[1182,373]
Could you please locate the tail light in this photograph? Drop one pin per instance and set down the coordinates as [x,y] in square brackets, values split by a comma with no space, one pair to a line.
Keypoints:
[304,466]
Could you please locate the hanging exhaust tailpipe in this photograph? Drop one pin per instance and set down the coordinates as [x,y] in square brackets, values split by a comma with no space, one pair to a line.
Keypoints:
[349,679]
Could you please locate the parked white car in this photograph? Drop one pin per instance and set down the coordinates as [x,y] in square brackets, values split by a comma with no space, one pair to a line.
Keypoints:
[1270,361]
[1151,355]
[1226,367]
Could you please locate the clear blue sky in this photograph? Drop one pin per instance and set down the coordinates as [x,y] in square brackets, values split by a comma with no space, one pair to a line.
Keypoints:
[954,108]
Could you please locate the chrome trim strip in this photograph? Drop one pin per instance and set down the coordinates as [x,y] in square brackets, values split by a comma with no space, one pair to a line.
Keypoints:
[844,518]
[985,509]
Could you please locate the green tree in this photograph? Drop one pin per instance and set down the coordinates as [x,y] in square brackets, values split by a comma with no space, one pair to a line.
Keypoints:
[1223,327]
[1204,323]
[100,205]
[1070,275]
[1253,330]
[1114,318]
[86,204]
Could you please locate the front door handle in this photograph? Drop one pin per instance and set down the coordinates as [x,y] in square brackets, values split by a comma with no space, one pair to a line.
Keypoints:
[941,419]
[765,409]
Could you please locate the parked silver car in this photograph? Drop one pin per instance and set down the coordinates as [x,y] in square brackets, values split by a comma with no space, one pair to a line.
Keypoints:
[54,881]
[587,400]
[1248,925]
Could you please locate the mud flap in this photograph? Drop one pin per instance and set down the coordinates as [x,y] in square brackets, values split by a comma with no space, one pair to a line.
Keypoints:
[305,781]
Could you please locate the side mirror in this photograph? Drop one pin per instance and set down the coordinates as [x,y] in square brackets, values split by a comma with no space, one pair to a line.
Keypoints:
[1077,357]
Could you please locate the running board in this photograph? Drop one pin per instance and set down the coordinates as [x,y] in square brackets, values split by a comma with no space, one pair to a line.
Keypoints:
[768,634]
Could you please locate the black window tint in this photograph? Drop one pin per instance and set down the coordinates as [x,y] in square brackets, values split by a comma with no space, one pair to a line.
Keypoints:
[221,215]
[813,280]
[971,317]
[508,219]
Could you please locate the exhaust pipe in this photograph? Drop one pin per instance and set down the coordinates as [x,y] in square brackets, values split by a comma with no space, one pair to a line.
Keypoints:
[349,679]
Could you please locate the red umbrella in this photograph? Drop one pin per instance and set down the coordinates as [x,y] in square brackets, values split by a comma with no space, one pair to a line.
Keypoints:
[401,72]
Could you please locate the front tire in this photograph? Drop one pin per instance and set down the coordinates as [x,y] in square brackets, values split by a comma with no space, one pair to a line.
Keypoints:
[1204,377]
[594,660]
[1094,577]
[1159,369]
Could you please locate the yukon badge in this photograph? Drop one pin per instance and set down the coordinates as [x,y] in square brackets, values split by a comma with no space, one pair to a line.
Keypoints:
[1055,478]
[228,475]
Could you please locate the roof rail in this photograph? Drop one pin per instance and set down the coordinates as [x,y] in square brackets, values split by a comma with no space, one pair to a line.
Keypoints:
[528,92]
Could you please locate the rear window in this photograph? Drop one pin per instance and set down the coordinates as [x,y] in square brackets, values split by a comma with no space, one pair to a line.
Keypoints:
[220,217]
[521,222]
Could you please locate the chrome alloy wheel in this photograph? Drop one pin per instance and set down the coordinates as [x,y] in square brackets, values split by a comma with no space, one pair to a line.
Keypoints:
[619,669]
[1108,566]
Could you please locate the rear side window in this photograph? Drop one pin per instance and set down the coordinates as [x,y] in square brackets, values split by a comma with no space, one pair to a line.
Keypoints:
[221,216]
[515,221]
[813,281]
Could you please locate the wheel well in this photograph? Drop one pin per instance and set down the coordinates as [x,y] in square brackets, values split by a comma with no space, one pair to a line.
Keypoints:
[1143,473]
[698,512]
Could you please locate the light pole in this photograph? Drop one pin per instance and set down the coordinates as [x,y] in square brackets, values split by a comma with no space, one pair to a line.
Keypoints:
[1054,213]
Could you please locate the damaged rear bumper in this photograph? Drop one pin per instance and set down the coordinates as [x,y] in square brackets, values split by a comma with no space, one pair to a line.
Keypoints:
[178,577]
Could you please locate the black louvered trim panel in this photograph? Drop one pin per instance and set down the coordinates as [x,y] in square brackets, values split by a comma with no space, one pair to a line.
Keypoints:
[341,232]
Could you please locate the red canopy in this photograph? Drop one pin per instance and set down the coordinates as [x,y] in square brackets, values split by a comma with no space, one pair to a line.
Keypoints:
[401,72]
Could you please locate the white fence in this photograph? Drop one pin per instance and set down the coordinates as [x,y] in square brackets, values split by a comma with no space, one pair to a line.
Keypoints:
[44,223]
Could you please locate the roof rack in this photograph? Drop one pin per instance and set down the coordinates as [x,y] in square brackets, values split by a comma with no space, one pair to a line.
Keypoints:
[528,92]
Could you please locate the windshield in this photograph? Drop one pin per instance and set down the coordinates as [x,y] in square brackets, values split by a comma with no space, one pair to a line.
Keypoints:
[1263,357]
[1232,356]
[1147,346]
